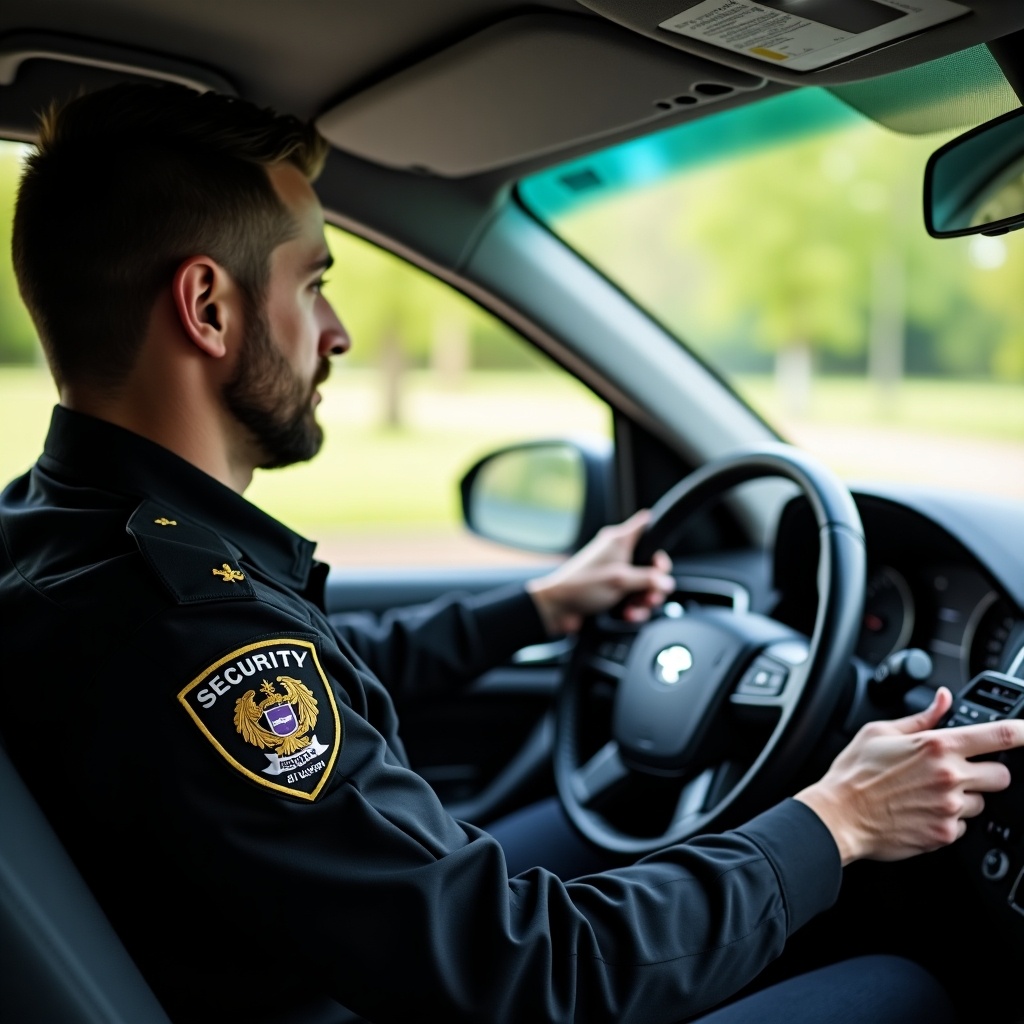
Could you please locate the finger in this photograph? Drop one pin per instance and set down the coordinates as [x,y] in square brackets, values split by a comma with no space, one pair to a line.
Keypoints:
[662,562]
[974,804]
[639,579]
[987,738]
[636,523]
[636,613]
[985,777]
[928,718]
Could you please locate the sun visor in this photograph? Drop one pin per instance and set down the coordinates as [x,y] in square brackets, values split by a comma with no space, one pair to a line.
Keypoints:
[524,87]
[819,42]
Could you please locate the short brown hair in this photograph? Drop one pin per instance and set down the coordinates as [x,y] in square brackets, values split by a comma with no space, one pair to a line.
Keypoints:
[125,184]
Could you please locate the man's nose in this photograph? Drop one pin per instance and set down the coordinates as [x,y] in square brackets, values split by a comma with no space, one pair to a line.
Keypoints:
[334,339]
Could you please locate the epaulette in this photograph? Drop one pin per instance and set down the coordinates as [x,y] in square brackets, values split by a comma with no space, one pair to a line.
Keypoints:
[193,562]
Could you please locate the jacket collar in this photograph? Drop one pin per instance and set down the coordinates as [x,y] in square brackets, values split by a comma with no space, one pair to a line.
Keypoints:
[96,453]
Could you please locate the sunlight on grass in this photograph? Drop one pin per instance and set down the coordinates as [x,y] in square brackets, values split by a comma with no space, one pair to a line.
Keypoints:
[979,409]
[374,494]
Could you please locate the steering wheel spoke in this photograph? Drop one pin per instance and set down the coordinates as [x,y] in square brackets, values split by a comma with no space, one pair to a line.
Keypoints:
[602,773]
[767,701]
[693,798]
[614,670]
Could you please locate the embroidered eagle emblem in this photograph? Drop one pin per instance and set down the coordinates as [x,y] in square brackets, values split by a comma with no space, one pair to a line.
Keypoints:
[279,721]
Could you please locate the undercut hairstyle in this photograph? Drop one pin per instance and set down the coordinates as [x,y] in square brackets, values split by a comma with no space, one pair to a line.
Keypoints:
[125,184]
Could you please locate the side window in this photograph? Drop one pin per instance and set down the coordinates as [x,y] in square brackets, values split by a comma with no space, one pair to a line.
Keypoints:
[431,383]
[27,393]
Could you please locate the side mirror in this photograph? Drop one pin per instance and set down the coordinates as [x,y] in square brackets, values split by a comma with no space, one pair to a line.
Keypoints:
[545,496]
[975,184]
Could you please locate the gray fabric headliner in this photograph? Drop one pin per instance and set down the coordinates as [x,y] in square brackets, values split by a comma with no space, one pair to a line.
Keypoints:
[297,56]
[304,56]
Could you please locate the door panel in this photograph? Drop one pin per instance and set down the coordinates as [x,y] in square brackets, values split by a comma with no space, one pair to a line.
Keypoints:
[486,749]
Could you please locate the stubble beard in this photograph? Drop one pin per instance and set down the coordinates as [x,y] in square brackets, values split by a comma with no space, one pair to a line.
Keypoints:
[271,401]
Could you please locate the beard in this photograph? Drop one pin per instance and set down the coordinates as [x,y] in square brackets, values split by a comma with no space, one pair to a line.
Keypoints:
[272,401]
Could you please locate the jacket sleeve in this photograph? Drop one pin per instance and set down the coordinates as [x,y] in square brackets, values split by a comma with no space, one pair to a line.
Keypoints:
[363,891]
[446,643]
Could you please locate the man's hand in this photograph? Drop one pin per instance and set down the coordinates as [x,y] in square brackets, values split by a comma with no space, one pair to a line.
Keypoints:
[599,576]
[904,787]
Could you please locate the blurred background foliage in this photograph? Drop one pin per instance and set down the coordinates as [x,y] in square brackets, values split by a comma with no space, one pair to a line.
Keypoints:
[796,265]
[802,256]
[18,344]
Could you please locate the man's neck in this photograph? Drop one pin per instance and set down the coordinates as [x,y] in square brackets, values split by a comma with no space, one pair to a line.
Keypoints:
[202,440]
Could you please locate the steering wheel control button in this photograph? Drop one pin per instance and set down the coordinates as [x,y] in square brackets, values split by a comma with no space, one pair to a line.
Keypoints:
[765,678]
[988,697]
[672,663]
[995,865]
[1000,831]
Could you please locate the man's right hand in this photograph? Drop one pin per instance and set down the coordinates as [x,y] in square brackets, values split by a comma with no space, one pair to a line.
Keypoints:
[903,787]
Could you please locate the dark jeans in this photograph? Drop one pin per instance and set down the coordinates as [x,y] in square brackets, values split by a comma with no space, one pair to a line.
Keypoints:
[864,990]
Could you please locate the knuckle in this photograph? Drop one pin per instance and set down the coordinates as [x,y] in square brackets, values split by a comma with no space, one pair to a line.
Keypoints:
[1006,734]
[935,745]
[950,805]
[619,578]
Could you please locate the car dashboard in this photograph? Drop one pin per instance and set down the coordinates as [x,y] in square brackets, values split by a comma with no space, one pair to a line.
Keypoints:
[945,574]
[943,577]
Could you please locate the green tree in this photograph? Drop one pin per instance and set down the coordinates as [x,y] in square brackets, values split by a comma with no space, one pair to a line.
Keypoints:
[18,342]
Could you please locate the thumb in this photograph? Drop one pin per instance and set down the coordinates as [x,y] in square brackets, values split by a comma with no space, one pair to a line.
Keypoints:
[928,718]
[632,527]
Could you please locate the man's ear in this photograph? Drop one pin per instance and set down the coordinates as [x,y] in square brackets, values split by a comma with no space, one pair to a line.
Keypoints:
[206,299]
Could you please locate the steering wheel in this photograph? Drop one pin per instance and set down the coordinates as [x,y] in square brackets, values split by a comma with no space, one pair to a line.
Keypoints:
[711,708]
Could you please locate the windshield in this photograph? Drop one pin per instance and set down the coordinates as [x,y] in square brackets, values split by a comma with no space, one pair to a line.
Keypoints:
[783,242]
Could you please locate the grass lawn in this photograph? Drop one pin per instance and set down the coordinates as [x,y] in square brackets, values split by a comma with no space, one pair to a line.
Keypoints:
[366,475]
[978,409]
[376,480]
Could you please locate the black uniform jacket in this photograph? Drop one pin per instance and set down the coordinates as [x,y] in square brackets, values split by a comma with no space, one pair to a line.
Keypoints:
[225,768]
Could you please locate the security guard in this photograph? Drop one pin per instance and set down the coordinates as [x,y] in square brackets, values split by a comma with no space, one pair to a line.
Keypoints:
[224,765]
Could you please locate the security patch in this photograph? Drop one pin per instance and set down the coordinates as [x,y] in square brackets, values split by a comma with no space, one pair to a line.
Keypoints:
[269,710]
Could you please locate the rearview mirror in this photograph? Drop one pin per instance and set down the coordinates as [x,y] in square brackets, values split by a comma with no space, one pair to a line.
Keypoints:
[975,184]
[546,496]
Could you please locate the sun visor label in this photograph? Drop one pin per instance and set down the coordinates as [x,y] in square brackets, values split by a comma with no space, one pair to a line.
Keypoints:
[802,35]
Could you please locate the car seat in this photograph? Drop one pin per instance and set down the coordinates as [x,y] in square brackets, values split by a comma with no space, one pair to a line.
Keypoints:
[60,960]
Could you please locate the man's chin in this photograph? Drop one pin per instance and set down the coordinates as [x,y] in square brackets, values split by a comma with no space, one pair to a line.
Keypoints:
[295,447]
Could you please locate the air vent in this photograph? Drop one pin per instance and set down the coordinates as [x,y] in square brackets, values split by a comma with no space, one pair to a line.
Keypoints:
[581,181]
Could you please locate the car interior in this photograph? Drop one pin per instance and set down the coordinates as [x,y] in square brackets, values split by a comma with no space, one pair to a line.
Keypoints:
[459,132]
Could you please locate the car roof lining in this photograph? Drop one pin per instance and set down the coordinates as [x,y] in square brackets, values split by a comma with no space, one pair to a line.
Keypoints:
[307,58]
[299,59]
[957,91]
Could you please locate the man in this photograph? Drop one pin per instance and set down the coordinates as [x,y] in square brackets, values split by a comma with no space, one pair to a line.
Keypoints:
[223,765]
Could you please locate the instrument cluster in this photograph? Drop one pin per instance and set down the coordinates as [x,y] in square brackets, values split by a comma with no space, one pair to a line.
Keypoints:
[949,610]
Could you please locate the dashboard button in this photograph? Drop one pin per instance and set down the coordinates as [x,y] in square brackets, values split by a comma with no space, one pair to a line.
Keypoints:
[995,865]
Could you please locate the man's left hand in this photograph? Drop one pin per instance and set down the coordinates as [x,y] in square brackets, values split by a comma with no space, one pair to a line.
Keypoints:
[601,575]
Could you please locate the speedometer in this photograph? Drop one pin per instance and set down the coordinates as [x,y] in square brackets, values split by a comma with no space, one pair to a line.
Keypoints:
[994,635]
[888,616]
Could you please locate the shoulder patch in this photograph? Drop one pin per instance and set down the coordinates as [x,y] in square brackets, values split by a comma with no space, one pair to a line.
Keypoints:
[269,710]
[192,561]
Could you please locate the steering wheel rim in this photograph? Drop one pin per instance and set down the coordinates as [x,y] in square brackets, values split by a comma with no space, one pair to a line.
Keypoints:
[810,690]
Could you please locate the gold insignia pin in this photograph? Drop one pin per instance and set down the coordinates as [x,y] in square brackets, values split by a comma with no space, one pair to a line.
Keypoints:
[165,522]
[227,574]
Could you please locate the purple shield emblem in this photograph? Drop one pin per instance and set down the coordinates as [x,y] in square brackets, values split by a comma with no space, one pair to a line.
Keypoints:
[282,719]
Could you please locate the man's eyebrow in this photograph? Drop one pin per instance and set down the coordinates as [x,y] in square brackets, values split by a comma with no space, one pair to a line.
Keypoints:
[324,262]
